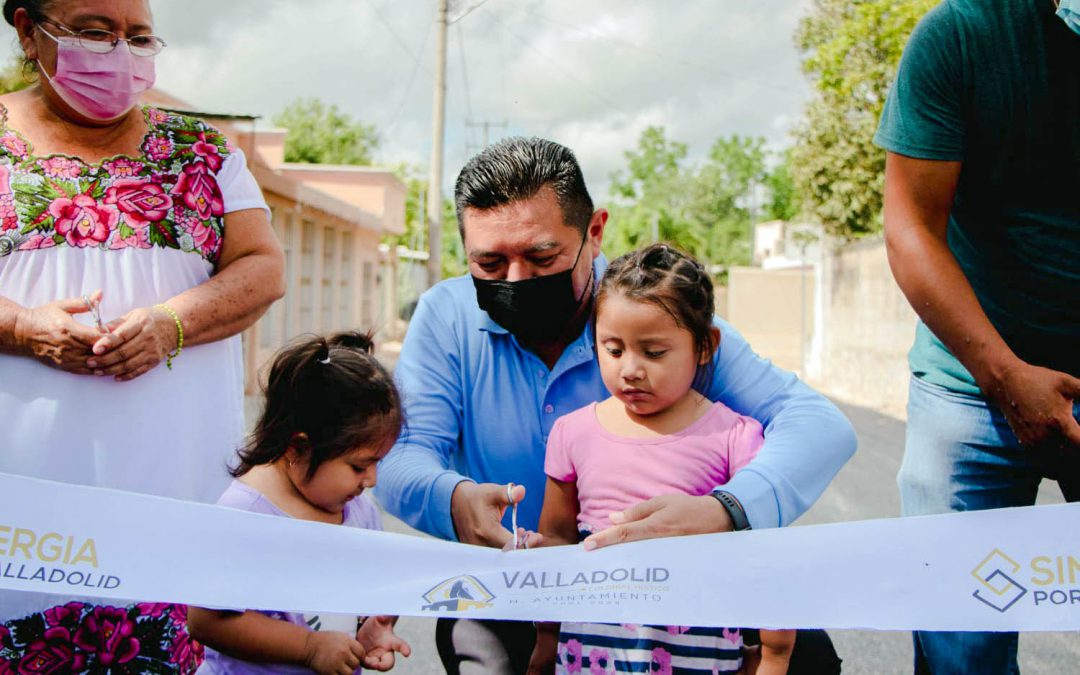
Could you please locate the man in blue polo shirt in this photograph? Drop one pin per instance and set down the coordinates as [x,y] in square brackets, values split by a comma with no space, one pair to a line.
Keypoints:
[492,359]
[982,223]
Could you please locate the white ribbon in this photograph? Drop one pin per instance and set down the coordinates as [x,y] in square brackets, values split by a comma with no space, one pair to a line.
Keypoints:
[1010,569]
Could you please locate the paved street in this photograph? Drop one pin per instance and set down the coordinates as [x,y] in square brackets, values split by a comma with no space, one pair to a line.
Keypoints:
[865,489]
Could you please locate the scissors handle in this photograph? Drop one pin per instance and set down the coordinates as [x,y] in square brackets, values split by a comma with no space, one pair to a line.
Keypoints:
[513,513]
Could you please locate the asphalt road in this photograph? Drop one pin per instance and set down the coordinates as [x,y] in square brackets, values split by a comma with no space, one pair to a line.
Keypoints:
[864,489]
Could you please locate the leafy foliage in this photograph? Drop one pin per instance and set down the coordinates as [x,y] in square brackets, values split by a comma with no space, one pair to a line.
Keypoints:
[415,235]
[851,49]
[322,134]
[704,208]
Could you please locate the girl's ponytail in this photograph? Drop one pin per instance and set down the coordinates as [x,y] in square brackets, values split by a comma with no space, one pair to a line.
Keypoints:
[335,392]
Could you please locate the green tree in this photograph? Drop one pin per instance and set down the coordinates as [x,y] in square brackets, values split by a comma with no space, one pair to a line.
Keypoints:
[652,197]
[702,208]
[724,193]
[783,202]
[851,49]
[322,134]
[415,235]
[14,77]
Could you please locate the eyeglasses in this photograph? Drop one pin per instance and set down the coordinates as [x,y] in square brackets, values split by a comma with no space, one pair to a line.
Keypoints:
[104,41]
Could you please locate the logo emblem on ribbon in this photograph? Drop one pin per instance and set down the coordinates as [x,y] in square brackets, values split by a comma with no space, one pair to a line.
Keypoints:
[458,594]
[993,574]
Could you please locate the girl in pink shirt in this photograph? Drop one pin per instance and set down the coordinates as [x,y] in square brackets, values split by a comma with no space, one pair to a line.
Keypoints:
[655,435]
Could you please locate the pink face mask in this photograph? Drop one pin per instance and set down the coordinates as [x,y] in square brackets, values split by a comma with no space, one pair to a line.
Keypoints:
[99,86]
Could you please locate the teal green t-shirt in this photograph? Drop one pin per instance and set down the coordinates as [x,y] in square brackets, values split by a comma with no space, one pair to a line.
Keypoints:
[995,84]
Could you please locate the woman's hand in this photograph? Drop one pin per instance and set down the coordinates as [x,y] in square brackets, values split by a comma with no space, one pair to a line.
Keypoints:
[52,336]
[379,640]
[136,342]
[333,653]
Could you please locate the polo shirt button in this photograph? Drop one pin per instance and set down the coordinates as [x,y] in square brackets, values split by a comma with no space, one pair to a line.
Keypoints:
[549,408]
[541,373]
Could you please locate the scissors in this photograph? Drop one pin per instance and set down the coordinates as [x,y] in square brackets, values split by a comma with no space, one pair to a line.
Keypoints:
[95,312]
[513,516]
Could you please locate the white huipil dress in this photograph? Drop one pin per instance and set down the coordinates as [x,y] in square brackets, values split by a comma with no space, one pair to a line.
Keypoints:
[168,432]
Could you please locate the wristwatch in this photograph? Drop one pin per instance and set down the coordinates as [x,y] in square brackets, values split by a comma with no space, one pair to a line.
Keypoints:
[735,510]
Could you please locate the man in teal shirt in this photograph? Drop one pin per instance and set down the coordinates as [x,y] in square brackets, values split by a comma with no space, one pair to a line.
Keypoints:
[492,359]
[982,224]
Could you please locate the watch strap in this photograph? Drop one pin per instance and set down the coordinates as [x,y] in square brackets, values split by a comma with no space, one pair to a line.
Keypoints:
[735,510]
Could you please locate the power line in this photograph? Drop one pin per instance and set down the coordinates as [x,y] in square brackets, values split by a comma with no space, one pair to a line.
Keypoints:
[408,85]
[401,41]
[673,59]
[464,71]
[590,88]
[468,11]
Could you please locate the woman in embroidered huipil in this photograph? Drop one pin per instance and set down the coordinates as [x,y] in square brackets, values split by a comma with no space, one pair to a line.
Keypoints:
[153,220]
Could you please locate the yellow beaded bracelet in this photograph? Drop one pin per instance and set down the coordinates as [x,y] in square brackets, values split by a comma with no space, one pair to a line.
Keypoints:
[179,333]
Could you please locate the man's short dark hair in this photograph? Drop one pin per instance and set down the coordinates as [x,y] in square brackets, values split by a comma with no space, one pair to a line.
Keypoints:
[517,168]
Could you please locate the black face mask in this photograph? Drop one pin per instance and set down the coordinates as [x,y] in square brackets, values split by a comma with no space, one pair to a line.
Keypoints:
[533,310]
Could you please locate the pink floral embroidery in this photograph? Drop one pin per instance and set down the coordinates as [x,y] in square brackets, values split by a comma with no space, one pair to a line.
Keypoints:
[137,237]
[185,650]
[571,656]
[677,630]
[61,167]
[107,632]
[158,148]
[169,196]
[122,167]
[140,202]
[37,241]
[661,661]
[52,653]
[208,151]
[157,116]
[64,615]
[203,235]
[600,662]
[13,144]
[82,221]
[199,191]
[9,219]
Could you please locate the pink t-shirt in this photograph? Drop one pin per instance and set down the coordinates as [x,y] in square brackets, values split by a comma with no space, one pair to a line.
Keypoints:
[614,472]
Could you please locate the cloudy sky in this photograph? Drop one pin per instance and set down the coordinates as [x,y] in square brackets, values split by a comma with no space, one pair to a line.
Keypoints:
[588,73]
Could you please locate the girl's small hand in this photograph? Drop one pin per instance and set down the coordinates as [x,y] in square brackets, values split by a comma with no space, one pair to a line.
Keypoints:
[525,539]
[379,640]
[333,653]
[136,342]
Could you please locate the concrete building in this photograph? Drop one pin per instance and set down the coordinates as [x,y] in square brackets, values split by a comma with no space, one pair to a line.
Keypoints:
[330,220]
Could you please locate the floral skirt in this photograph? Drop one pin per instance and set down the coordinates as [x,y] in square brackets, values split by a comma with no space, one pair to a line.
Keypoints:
[603,649]
[84,638]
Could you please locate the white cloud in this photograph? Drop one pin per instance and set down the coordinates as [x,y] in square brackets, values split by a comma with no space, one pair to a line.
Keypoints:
[591,74]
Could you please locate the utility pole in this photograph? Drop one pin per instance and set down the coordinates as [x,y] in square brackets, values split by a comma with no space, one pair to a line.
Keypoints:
[486,126]
[438,114]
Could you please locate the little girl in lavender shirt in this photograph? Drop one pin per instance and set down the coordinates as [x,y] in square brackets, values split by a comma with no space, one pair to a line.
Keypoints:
[332,412]
[655,435]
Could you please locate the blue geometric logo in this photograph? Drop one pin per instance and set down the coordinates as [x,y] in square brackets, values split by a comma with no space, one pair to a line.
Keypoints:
[993,573]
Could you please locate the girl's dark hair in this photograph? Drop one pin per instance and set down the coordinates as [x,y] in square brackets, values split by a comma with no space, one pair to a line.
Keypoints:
[335,392]
[35,8]
[674,282]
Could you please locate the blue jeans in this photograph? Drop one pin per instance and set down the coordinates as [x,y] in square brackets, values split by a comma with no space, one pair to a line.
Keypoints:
[961,455]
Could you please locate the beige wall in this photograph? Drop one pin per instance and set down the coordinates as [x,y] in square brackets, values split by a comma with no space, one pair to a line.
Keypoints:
[771,308]
[858,329]
[332,281]
[868,330]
